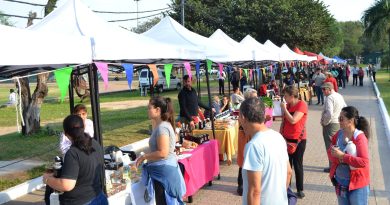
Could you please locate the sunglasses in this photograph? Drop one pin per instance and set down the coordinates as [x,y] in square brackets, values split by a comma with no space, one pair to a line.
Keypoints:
[341,118]
[324,88]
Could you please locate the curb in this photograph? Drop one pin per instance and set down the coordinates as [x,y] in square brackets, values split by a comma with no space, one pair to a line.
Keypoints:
[383,110]
[20,190]
[34,184]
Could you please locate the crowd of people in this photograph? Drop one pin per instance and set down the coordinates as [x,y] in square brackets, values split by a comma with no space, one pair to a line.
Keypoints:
[265,157]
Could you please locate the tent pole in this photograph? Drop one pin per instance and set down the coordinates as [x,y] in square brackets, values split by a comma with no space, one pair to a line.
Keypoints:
[71,94]
[94,90]
[228,77]
[209,95]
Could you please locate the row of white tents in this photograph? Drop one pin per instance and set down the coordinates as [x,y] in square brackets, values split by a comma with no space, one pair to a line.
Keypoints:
[73,34]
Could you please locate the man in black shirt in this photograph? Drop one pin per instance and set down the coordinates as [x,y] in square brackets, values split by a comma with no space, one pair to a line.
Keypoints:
[189,102]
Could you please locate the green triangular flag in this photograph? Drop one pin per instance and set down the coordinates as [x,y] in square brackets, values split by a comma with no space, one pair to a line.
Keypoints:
[209,63]
[168,69]
[63,78]
[246,73]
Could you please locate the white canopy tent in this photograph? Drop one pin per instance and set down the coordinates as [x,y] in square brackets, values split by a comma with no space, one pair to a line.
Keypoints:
[251,43]
[24,47]
[108,41]
[21,48]
[244,52]
[287,50]
[171,32]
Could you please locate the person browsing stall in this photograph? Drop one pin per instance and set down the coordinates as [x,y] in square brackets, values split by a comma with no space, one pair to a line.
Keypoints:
[66,143]
[350,170]
[162,167]
[237,98]
[293,129]
[83,168]
[334,102]
[266,170]
[81,111]
[189,102]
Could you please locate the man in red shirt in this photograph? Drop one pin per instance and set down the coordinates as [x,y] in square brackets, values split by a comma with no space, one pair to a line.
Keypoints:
[331,79]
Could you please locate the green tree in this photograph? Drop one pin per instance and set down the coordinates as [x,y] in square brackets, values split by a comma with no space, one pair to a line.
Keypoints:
[4,20]
[303,23]
[376,21]
[352,32]
[146,25]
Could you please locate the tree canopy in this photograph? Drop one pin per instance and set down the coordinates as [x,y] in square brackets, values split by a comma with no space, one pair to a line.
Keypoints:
[146,25]
[4,20]
[306,24]
[376,21]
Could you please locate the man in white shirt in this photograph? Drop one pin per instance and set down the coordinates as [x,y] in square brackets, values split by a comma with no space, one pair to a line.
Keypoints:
[81,111]
[11,97]
[334,102]
[266,170]
[355,71]
[221,80]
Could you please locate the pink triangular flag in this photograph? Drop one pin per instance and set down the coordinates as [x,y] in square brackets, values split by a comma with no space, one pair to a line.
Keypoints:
[103,70]
[220,68]
[187,66]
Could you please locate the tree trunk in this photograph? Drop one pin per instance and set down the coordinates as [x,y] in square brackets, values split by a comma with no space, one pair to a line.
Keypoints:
[32,104]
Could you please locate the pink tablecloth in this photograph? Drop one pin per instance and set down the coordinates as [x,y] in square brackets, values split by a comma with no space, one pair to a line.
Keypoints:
[201,167]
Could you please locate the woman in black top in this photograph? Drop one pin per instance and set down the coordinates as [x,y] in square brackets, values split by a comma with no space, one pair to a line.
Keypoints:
[81,174]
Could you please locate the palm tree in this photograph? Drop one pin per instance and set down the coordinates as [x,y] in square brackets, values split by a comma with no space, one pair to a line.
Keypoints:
[376,21]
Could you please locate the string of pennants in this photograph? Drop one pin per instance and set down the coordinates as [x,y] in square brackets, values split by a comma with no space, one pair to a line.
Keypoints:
[62,75]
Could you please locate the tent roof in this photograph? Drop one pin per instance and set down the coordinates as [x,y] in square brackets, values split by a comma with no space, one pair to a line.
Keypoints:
[300,57]
[170,31]
[21,48]
[242,53]
[108,41]
[339,60]
[297,50]
[251,43]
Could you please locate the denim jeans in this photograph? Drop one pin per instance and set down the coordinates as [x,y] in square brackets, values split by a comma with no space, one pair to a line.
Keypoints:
[100,199]
[320,94]
[355,197]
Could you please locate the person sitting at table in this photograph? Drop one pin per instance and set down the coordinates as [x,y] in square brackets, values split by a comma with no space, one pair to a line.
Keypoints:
[215,107]
[237,98]
[189,103]
[161,173]
[83,168]
[225,104]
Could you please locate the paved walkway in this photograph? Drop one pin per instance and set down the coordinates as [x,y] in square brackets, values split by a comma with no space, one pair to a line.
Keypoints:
[318,188]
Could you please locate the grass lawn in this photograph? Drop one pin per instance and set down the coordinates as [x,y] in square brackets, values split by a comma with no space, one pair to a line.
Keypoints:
[383,83]
[20,177]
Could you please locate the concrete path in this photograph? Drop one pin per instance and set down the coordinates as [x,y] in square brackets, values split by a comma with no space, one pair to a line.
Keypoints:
[318,188]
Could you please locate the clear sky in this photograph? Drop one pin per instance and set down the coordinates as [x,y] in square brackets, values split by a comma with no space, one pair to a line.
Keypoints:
[342,10]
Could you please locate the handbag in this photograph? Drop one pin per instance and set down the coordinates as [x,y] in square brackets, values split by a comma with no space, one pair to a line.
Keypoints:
[292,145]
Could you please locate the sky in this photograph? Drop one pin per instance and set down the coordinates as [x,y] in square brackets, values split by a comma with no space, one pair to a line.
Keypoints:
[342,10]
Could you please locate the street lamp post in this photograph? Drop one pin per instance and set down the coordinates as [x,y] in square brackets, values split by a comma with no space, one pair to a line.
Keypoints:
[182,12]
[137,11]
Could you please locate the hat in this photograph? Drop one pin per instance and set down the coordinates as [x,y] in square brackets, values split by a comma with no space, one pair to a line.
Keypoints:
[327,85]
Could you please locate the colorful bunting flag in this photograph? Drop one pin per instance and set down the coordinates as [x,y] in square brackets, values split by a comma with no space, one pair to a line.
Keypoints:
[62,77]
[187,66]
[168,70]
[129,68]
[209,63]
[153,68]
[197,67]
[250,74]
[246,73]
[240,72]
[103,70]
[220,68]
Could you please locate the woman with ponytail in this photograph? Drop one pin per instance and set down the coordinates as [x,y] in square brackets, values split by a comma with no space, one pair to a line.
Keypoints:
[350,169]
[161,173]
[82,171]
